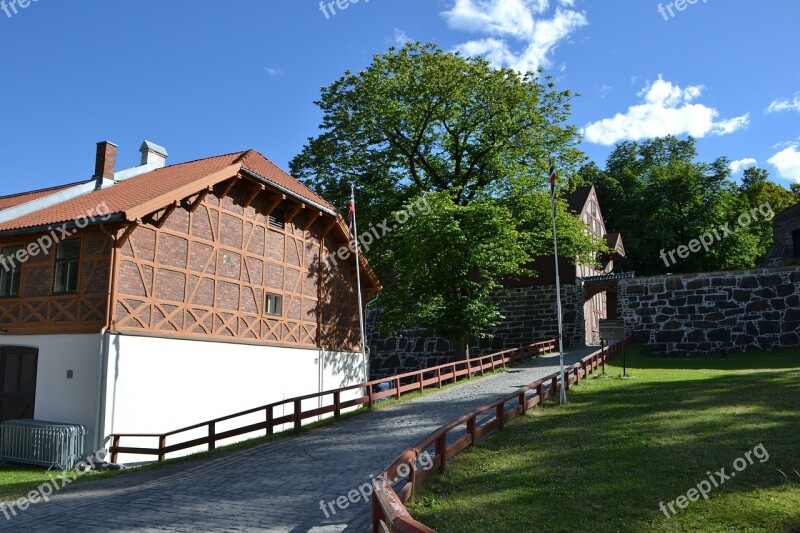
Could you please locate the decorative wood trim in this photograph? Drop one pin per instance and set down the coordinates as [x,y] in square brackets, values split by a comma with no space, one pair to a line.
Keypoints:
[200,197]
[167,212]
[293,213]
[128,231]
[313,218]
[257,189]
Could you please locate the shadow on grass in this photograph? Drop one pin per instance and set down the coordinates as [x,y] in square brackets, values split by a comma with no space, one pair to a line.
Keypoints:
[788,358]
[618,449]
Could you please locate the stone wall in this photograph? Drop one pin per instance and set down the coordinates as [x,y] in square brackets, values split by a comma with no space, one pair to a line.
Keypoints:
[708,313]
[530,316]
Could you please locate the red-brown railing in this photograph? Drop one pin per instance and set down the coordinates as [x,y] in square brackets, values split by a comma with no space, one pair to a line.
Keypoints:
[388,510]
[400,384]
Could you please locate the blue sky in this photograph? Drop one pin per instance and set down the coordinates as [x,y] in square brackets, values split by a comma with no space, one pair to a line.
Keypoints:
[210,77]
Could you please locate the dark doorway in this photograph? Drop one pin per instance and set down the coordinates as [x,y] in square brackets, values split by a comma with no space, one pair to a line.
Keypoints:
[796,242]
[18,366]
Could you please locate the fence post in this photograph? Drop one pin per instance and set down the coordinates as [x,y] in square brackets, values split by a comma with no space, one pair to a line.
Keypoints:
[397,386]
[377,515]
[554,392]
[162,443]
[212,436]
[270,418]
[501,416]
[540,392]
[337,412]
[566,379]
[441,451]
[298,420]
[472,429]
[523,403]
[115,444]
[439,377]
[370,401]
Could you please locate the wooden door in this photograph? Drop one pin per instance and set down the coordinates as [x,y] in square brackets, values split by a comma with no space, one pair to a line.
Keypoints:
[18,367]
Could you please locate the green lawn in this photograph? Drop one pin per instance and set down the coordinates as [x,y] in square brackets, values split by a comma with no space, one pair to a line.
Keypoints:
[605,461]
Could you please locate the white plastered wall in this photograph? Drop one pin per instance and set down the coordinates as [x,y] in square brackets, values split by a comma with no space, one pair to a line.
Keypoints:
[155,385]
[72,400]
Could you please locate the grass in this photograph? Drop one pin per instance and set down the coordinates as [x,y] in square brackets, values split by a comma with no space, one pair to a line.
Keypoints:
[605,461]
[17,480]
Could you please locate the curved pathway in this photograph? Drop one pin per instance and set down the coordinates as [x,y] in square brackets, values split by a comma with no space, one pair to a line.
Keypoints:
[277,486]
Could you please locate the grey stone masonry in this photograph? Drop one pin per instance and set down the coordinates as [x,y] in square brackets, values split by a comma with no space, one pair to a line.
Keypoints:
[530,316]
[698,314]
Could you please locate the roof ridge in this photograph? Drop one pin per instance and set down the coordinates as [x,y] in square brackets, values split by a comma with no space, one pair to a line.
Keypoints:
[46,189]
[243,155]
[203,159]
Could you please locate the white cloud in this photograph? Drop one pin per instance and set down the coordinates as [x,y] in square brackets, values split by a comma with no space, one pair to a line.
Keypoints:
[784,105]
[518,33]
[666,109]
[787,162]
[400,37]
[273,71]
[742,164]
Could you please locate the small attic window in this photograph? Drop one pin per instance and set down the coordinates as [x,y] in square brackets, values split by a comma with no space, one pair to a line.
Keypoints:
[277,219]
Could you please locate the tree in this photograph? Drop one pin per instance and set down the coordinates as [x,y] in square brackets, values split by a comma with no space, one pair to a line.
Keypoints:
[659,198]
[418,120]
[795,188]
[421,120]
[447,267]
[766,198]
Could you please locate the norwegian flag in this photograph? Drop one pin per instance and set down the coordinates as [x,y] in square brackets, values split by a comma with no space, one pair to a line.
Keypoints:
[352,215]
[553,177]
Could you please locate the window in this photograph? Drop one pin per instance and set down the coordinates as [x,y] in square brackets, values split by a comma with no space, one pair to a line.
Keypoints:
[10,271]
[67,266]
[277,219]
[273,305]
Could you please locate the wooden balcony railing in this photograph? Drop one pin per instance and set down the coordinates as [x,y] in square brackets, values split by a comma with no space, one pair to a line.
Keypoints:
[272,416]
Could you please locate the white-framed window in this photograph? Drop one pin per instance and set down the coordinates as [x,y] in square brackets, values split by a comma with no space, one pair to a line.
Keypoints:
[10,272]
[273,304]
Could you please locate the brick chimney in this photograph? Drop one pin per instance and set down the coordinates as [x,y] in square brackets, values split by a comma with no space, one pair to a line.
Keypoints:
[105,161]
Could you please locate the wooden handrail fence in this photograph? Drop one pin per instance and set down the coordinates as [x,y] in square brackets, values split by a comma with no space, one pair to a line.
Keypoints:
[388,507]
[400,384]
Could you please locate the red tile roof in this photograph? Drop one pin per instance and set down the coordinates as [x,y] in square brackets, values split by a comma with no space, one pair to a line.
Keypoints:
[127,195]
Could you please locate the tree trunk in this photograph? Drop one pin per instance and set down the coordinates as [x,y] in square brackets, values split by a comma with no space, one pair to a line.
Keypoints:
[460,346]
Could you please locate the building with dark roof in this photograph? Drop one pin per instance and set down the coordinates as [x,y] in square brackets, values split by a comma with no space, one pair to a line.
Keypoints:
[601,297]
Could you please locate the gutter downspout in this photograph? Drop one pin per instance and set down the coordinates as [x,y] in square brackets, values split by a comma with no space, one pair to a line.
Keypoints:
[102,364]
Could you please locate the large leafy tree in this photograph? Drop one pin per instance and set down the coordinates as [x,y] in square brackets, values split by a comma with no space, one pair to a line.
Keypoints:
[421,120]
[660,197]
[477,141]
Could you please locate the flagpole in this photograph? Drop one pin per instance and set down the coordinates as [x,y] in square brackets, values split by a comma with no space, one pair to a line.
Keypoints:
[358,283]
[563,390]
